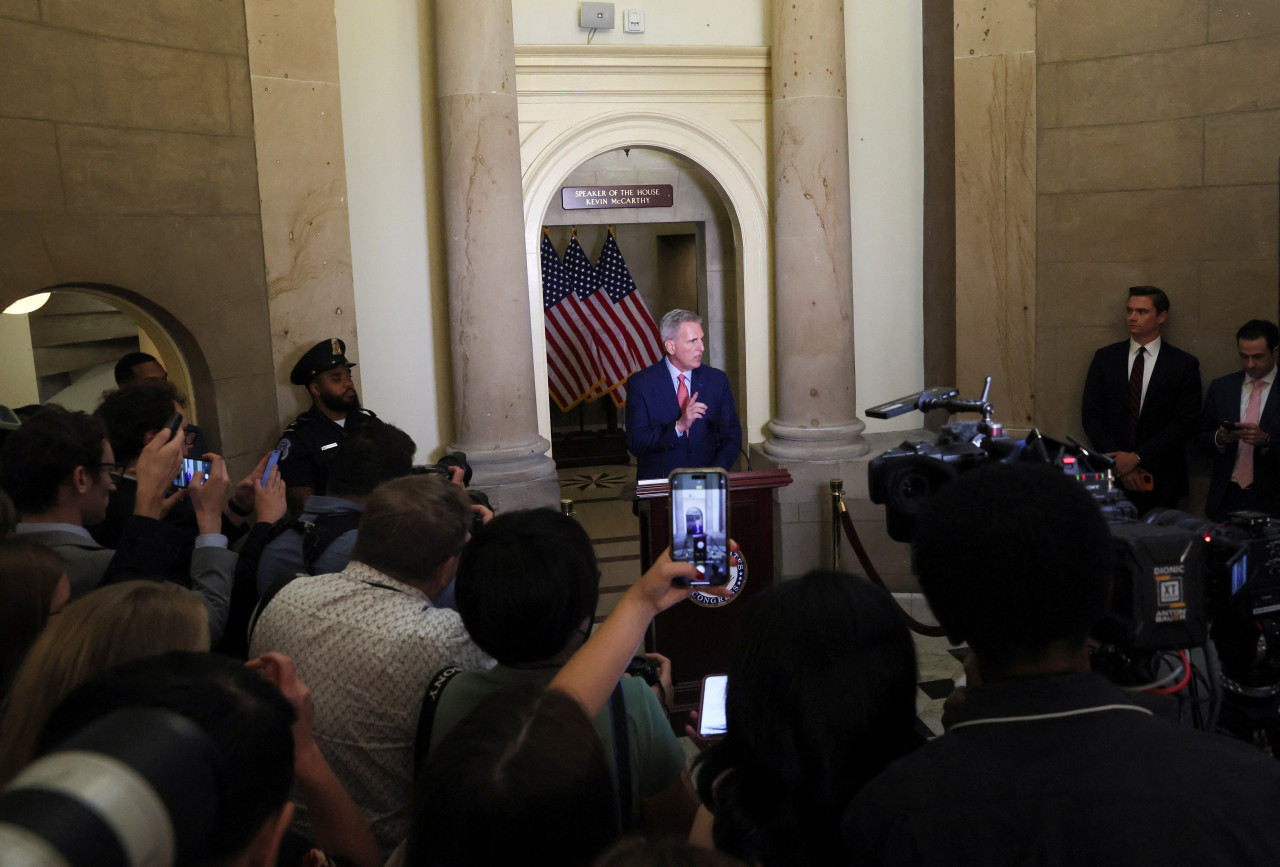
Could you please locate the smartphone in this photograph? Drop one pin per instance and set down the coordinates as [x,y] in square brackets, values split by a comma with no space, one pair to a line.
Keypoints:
[271,462]
[191,466]
[700,521]
[711,718]
[174,424]
[1230,425]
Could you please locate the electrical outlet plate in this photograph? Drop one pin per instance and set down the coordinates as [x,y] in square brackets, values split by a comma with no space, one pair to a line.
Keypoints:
[633,21]
[597,16]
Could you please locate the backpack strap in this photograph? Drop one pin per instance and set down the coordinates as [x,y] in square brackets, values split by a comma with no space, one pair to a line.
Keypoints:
[319,534]
[622,757]
[427,715]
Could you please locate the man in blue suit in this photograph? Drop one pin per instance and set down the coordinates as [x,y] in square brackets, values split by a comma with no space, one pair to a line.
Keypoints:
[680,413]
[1141,404]
[1237,428]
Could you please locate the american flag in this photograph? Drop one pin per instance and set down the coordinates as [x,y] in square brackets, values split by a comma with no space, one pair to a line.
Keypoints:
[572,366]
[623,317]
[615,361]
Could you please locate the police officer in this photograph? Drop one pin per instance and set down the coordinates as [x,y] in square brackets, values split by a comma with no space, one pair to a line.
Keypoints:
[310,443]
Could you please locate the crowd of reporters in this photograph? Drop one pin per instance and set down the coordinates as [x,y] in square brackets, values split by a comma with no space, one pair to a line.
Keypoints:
[411,692]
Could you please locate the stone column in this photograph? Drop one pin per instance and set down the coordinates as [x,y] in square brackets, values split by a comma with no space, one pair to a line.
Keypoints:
[816,432]
[495,410]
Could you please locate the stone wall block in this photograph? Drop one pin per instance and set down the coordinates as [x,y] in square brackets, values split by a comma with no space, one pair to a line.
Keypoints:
[486,34]
[27,266]
[142,172]
[27,10]
[1124,157]
[1080,29]
[1240,75]
[1092,294]
[811,65]
[1130,89]
[193,267]
[198,24]
[56,75]
[30,178]
[1242,19]
[245,439]
[239,96]
[1241,290]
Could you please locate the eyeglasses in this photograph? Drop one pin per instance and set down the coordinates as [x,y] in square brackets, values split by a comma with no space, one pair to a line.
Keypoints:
[190,434]
[115,472]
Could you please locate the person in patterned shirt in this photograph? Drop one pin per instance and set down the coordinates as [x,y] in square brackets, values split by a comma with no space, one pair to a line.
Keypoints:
[368,640]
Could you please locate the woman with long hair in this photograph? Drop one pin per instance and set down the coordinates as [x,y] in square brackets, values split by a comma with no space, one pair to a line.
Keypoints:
[33,586]
[821,698]
[106,627]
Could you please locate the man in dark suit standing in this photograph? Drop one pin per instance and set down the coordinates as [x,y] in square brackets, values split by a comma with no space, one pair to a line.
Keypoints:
[1141,404]
[1237,425]
[680,412]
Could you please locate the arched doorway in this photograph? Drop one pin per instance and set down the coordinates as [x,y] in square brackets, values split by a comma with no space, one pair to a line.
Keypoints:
[65,351]
[740,189]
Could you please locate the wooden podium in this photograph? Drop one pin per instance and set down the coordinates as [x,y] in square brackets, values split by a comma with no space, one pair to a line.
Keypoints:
[698,640]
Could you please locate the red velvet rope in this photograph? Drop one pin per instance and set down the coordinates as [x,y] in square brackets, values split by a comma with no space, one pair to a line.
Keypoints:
[852,535]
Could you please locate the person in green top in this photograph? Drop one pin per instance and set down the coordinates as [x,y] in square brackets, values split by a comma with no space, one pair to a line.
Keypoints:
[527,588]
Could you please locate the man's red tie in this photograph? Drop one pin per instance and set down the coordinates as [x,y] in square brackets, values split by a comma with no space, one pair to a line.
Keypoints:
[682,392]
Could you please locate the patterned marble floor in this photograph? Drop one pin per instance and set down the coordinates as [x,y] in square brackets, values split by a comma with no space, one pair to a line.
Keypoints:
[615,532]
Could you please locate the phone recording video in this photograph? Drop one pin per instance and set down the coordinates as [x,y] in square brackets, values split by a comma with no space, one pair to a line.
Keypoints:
[711,716]
[700,522]
[191,466]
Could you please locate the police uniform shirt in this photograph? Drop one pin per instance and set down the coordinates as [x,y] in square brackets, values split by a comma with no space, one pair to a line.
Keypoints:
[309,445]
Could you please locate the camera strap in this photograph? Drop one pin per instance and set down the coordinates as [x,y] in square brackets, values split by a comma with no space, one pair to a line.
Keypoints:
[622,757]
[427,715]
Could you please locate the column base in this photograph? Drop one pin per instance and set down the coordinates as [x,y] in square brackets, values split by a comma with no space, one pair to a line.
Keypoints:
[829,443]
[516,477]
[805,531]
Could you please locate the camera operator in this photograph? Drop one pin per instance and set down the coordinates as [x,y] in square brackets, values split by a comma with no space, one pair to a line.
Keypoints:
[1045,761]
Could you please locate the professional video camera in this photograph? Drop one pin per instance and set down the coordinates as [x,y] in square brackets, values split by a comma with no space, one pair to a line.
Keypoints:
[1157,600]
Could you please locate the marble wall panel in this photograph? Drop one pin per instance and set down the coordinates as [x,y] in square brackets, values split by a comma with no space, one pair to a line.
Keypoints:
[27,266]
[1241,19]
[993,27]
[995,229]
[294,39]
[1240,75]
[197,24]
[114,171]
[28,10]
[1079,29]
[30,178]
[57,75]
[1125,157]
[195,268]
[306,233]
[1242,148]
[1131,89]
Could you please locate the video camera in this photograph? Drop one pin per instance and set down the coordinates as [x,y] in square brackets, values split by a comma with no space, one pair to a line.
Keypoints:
[444,467]
[1157,600]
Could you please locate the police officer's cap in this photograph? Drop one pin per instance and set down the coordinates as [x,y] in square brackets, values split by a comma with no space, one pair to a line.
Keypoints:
[325,355]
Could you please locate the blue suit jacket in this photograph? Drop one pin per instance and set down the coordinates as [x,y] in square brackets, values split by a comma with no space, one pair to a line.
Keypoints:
[652,412]
[1222,403]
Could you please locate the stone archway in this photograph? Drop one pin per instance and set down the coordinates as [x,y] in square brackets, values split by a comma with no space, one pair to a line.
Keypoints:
[741,187]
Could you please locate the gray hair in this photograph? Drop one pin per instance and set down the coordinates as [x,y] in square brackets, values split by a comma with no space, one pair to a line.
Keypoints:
[674,319]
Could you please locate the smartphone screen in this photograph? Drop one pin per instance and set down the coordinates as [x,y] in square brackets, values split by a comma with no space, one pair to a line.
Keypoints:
[191,466]
[700,522]
[711,718]
[271,462]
